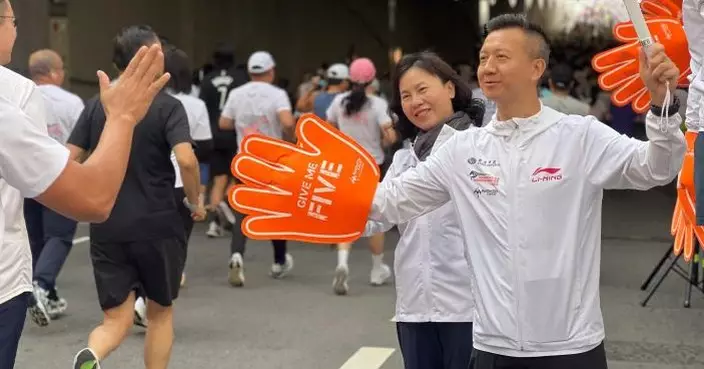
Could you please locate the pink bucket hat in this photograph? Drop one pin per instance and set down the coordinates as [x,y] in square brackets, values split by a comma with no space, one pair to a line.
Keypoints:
[362,71]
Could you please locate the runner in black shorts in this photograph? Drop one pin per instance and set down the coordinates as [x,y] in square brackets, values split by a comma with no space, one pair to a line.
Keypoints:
[215,88]
[143,243]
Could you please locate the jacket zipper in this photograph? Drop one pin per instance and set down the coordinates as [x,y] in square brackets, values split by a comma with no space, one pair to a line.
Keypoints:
[513,241]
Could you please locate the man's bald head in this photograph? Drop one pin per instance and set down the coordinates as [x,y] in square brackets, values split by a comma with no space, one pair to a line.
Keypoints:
[46,66]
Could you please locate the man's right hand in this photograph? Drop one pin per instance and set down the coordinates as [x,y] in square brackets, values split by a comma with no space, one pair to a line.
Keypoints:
[129,98]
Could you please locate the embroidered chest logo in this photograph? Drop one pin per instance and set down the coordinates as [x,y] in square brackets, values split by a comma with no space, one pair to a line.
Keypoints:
[546,174]
[483,162]
[481,177]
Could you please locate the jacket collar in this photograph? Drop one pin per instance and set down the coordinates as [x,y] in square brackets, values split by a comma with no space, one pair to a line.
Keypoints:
[530,126]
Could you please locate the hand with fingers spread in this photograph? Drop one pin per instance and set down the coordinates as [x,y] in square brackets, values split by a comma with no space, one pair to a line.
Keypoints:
[131,95]
[317,191]
[662,8]
[620,67]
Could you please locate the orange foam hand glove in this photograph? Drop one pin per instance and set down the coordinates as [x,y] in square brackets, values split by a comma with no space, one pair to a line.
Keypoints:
[619,67]
[662,8]
[318,191]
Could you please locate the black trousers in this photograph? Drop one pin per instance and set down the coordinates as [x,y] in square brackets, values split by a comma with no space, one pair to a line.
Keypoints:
[434,345]
[12,316]
[594,359]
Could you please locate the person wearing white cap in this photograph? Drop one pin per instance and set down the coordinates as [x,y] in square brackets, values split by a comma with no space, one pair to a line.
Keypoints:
[257,107]
[365,118]
[318,101]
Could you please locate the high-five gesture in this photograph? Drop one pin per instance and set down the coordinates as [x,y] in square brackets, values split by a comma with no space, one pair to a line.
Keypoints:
[658,72]
[131,95]
[318,191]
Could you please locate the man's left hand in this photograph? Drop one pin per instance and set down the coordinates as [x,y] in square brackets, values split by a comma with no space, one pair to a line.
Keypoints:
[657,71]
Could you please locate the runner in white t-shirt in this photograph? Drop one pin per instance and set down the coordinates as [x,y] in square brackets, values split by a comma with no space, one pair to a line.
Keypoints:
[177,64]
[257,107]
[50,233]
[364,117]
[39,167]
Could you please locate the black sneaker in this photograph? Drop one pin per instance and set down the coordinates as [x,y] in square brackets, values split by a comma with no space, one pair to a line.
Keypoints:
[85,359]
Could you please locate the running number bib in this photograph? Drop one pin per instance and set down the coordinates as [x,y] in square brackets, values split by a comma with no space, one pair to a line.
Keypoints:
[317,191]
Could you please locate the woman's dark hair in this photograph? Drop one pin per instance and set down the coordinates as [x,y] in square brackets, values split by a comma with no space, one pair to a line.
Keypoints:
[433,64]
[354,102]
[178,65]
[128,41]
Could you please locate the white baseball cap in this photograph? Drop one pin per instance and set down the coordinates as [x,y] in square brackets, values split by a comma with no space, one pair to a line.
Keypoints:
[260,62]
[338,71]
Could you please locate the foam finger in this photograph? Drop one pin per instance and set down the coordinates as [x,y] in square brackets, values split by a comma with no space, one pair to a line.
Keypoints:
[252,200]
[253,170]
[267,148]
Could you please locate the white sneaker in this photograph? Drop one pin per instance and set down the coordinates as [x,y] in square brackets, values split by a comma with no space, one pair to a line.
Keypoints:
[38,306]
[339,284]
[214,230]
[380,275]
[140,312]
[280,271]
[236,274]
[227,212]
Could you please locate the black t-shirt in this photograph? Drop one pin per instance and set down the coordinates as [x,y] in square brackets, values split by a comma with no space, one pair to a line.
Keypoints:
[215,88]
[145,208]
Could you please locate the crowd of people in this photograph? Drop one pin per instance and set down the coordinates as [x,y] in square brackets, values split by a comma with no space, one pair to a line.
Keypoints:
[157,149]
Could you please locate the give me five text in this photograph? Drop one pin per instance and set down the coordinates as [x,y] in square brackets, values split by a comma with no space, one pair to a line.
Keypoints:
[317,187]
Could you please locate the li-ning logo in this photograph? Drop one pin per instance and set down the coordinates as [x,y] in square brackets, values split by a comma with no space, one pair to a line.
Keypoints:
[546,175]
[483,178]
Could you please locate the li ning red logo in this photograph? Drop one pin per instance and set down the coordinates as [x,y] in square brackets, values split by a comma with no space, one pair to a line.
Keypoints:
[546,175]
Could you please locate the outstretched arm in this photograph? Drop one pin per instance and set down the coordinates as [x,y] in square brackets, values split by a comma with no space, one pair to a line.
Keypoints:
[418,190]
[85,192]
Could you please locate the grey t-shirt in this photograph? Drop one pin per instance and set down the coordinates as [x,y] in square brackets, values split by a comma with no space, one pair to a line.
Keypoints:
[365,126]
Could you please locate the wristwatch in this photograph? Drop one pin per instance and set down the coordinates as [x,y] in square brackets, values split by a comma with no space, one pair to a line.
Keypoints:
[673,109]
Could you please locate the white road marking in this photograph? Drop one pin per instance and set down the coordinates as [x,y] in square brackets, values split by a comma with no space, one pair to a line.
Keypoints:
[78,240]
[368,358]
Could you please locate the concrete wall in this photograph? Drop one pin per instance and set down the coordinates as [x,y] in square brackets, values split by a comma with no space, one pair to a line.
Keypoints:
[300,34]
[32,33]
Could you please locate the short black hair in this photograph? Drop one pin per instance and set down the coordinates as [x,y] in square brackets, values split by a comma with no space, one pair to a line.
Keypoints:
[223,56]
[178,65]
[128,41]
[510,20]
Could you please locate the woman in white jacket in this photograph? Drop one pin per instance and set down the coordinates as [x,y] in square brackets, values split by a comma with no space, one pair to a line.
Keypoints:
[434,303]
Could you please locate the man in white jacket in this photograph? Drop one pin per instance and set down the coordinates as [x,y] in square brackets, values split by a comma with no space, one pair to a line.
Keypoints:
[535,230]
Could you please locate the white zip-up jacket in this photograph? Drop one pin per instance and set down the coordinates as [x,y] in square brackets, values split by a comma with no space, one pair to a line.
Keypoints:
[693,22]
[532,219]
[433,280]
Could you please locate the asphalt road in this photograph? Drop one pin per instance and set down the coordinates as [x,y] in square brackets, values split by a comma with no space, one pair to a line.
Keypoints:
[298,322]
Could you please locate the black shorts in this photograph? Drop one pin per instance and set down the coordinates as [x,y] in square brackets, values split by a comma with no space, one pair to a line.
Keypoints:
[220,162]
[153,265]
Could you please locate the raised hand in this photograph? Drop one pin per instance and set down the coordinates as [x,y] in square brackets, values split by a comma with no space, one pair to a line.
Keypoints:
[129,98]
[317,191]
[658,73]
[619,67]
